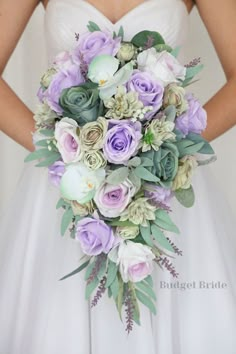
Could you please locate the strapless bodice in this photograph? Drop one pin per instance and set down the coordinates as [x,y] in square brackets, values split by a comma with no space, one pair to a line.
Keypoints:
[64,18]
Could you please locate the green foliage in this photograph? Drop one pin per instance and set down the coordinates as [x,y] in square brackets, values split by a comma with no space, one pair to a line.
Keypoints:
[162,47]
[118,176]
[134,162]
[115,288]
[121,33]
[206,148]
[146,234]
[147,39]
[90,287]
[66,220]
[77,270]
[146,175]
[111,274]
[186,197]
[188,147]
[146,288]
[160,238]
[145,300]
[92,27]
[164,221]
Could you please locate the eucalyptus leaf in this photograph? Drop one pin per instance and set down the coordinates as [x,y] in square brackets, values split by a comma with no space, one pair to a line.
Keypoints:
[61,202]
[37,154]
[55,156]
[192,71]
[185,197]
[134,162]
[43,143]
[147,39]
[136,312]
[118,176]
[146,234]
[187,147]
[47,132]
[92,27]
[77,270]
[160,238]
[115,288]
[175,52]
[170,113]
[111,273]
[121,223]
[89,270]
[146,301]
[149,280]
[162,47]
[146,162]
[145,288]
[66,220]
[109,292]
[164,221]
[197,138]
[121,33]
[135,180]
[144,174]
[207,161]
[119,299]
[91,287]
[102,269]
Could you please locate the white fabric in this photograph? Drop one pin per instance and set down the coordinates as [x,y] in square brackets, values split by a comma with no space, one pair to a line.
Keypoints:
[40,315]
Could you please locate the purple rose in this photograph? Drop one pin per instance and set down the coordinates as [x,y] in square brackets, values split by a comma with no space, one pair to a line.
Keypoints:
[111,200]
[158,196]
[95,236]
[68,77]
[194,119]
[55,172]
[149,89]
[96,43]
[122,140]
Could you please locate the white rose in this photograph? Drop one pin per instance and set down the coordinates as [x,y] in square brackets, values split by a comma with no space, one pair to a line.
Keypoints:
[163,65]
[80,183]
[68,144]
[135,261]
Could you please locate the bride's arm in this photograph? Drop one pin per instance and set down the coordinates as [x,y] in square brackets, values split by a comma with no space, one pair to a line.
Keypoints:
[16,120]
[220,20]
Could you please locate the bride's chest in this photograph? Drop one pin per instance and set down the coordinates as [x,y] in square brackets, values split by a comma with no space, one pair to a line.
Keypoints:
[64,18]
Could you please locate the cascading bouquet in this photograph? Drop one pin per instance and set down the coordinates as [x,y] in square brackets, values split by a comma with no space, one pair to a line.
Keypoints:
[120,137]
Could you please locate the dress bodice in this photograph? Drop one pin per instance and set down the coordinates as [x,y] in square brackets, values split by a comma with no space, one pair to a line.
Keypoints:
[64,18]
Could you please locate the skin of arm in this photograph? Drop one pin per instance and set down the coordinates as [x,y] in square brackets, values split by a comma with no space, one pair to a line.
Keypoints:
[219,19]
[16,120]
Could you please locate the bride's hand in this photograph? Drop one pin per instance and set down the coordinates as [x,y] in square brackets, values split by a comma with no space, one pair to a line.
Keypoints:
[16,120]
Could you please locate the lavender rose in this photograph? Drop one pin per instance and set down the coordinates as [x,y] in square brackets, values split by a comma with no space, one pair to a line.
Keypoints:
[122,140]
[68,77]
[96,43]
[150,91]
[157,195]
[55,172]
[67,140]
[194,119]
[95,236]
[111,200]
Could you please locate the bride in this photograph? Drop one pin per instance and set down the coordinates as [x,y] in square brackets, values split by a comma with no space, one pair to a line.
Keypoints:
[39,314]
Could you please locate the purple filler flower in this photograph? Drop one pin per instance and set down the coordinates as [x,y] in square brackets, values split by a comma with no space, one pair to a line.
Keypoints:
[150,90]
[65,78]
[96,43]
[55,172]
[122,140]
[95,236]
[194,119]
[158,196]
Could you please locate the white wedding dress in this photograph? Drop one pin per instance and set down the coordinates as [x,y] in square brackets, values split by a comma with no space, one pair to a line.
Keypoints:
[41,315]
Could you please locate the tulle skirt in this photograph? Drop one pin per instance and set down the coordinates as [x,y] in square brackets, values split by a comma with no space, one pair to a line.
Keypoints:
[39,314]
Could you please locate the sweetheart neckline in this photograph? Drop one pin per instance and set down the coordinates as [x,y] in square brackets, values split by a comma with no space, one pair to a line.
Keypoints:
[133,10]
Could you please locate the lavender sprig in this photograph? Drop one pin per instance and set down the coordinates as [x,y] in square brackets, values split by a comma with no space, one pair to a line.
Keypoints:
[168,265]
[100,291]
[193,63]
